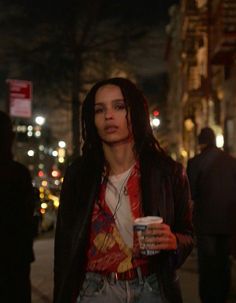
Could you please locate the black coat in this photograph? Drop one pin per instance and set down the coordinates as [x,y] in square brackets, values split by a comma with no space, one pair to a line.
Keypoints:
[16,216]
[212,177]
[165,192]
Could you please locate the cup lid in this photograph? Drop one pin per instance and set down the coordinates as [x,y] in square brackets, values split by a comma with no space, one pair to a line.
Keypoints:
[148,220]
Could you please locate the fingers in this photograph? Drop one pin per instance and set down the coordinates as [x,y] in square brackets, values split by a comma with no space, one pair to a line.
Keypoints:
[159,237]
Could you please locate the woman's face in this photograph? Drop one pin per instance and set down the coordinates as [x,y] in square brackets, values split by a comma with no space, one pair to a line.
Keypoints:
[111,119]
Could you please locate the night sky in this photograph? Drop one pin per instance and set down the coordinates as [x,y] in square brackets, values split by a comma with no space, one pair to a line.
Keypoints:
[143,11]
[147,62]
[153,11]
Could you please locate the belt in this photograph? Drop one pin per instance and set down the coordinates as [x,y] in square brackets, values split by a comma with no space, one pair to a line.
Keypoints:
[139,272]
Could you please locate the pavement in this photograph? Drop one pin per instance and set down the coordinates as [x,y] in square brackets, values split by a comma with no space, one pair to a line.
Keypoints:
[42,274]
[42,271]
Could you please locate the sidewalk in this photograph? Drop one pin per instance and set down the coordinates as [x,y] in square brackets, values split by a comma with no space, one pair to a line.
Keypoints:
[42,271]
[42,274]
[189,280]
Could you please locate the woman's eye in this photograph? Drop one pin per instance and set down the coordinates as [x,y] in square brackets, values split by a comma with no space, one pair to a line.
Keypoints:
[120,106]
[98,110]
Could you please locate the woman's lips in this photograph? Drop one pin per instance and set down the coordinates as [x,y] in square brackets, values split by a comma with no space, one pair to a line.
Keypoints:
[111,129]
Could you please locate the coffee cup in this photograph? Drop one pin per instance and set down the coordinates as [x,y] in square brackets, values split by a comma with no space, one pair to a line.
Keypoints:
[140,225]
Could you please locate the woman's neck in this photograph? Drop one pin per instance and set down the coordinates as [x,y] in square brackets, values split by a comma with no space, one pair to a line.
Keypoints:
[119,158]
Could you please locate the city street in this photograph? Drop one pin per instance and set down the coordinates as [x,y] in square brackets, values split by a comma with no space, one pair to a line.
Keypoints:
[42,271]
[118,110]
[42,274]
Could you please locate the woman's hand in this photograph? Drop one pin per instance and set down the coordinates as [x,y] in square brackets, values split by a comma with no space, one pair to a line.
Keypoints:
[158,237]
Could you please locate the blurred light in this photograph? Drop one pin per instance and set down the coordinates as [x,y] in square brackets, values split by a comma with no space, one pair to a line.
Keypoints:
[42,211]
[61,160]
[55,200]
[41,195]
[55,173]
[37,133]
[21,128]
[30,153]
[41,147]
[184,154]
[44,205]
[44,183]
[41,166]
[40,173]
[156,122]
[61,152]
[219,141]
[40,120]
[56,203]
[62,144]
[29,134]
[57,182]
[41,189]
[30,128]
[189,125]
[55,153]
[156,113]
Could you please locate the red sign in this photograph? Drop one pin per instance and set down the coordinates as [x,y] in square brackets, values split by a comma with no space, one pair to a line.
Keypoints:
[20,98]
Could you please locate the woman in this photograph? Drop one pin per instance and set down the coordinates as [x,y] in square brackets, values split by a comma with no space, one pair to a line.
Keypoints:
[123,174]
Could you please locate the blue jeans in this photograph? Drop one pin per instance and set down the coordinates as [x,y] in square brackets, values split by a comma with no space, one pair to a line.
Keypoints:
[99,289]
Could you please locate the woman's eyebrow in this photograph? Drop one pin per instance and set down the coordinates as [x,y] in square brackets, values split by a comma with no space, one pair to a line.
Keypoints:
[99,103]
[115,100]
[118,100]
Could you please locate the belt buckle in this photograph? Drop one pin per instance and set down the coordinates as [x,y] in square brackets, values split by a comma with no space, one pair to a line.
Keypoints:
[128,275]
[113,277]
[131,274]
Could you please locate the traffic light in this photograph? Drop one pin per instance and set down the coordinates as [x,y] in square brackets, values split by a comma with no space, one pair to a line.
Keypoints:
[155,120]
[155,113]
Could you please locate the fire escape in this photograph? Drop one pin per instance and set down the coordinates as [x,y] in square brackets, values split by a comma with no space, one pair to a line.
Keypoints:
[223,34]
[193,31]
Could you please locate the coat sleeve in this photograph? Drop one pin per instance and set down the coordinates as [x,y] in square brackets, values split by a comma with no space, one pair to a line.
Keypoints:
[64,226]
[192,176]
[183,228]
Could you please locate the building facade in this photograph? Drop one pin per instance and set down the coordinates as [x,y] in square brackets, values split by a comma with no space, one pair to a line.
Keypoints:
[202,65]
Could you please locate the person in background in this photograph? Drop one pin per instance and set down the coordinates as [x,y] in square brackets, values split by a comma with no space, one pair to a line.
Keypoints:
[212,177]
[16,221]
[123,174]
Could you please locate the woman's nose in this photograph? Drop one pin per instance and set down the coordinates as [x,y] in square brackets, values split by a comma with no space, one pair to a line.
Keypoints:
[108,114]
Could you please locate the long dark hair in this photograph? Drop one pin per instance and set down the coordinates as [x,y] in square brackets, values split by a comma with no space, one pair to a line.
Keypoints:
[92,166]
[138,108]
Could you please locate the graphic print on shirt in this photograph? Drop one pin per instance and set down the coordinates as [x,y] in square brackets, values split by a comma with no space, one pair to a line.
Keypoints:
[108,251]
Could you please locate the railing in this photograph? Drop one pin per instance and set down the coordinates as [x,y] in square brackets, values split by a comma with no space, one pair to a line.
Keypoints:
[223,30]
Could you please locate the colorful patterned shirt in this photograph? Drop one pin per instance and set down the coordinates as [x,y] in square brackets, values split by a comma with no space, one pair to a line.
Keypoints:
[107,251]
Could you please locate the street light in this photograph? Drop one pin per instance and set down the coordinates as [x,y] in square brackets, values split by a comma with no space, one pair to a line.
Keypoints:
[62,144]
[154,119]
[30,153]
[156,122]
[219,140]
[40,120]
